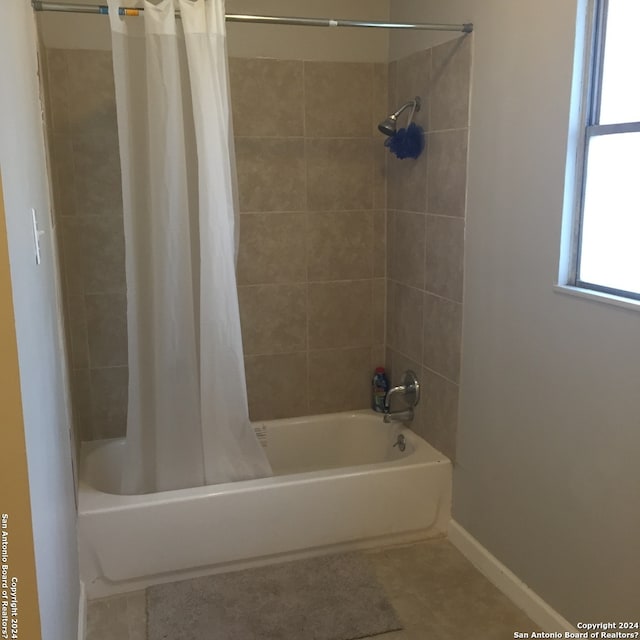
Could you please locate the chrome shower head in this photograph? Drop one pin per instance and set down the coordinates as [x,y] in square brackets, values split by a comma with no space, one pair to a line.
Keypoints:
[389,125]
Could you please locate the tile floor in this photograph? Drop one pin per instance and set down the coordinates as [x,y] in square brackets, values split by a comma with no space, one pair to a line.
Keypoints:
[436,592]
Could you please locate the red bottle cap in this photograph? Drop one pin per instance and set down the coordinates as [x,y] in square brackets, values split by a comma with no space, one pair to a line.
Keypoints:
[379,369]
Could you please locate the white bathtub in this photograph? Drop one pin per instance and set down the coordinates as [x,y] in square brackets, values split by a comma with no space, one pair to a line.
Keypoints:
[338,484]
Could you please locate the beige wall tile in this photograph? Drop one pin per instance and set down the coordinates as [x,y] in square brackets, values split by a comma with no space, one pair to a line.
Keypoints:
[445,257]
[442,336]
[392,87]
[404,320]
[81,403]
[103,254]
[379,309]
[340,245]
[388,362]
[107,329]
[57,90]
[62,175]
[379,244]
[349,371]
[447,172]
[271,174]
[407,183]
[93,254]
[272,248]
[407,264]
[379,172]
[391,240]
[266,97]
[109,402]
[339,174]
[96,160]
[378,358]
[340,314]
[439,428]
[401,364]
[338,99]
[380,97]
[273,317]
[91,103]
[72,234]
[451,76]
[76,323]
[414,79]
[277,386]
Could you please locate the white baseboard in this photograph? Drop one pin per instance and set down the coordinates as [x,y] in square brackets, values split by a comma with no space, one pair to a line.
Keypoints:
[516,590]
[82,612]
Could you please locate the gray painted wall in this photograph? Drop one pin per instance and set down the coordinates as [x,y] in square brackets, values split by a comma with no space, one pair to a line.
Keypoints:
[40,353]
[547,478]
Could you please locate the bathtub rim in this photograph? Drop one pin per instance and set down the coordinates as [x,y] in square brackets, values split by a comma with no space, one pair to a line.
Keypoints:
[91,499]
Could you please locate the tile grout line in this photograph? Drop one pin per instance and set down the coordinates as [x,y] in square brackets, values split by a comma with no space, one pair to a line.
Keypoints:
[306,233]
[424,315]
[268,354]
[435,295]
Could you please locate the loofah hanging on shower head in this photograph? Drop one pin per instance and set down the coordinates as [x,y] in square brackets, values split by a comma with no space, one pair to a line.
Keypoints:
[406,143]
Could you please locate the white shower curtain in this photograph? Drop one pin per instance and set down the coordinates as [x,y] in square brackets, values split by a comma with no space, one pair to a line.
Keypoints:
[188,421]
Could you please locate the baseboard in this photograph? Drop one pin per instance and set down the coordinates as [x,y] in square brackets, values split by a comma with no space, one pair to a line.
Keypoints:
[516,590]
[82,612]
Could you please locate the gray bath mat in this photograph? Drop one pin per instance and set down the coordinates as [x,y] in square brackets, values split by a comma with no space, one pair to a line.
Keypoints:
[327,598]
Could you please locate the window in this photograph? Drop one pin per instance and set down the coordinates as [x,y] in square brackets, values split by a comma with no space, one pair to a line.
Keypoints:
[608,251]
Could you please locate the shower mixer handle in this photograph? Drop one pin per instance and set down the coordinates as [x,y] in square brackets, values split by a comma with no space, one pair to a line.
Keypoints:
[409,390]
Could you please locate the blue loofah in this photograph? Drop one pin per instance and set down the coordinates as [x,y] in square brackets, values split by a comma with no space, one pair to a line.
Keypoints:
[406,143]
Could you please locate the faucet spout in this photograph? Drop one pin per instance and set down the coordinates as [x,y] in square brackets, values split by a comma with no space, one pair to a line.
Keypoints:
[402,389]
[406,417]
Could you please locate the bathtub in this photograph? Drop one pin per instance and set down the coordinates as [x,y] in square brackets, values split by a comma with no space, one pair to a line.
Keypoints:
[338,484]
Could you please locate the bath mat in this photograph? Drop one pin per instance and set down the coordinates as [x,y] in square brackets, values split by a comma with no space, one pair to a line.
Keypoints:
[329,598]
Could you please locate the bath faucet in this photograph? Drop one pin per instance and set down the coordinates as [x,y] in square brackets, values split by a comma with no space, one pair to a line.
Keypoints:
[410,392]
[406,417]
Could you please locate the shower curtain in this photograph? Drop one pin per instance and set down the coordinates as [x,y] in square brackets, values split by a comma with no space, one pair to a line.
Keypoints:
[188,421]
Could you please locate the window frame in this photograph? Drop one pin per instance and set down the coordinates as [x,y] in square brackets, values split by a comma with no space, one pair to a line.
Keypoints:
[591,128]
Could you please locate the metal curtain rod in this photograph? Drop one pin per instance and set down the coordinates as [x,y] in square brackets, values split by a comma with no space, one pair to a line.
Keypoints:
[38,5]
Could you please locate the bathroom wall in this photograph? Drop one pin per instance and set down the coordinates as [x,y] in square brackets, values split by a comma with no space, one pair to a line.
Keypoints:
[311,265]
[547,475]
[16,503]
[40,359]
[426,203]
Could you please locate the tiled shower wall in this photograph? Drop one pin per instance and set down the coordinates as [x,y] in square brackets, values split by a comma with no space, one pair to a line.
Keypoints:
[425,230]
[311,267]
[312,257]
[85,168]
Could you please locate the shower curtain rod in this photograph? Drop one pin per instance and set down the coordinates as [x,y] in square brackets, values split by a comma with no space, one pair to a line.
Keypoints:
[38,5]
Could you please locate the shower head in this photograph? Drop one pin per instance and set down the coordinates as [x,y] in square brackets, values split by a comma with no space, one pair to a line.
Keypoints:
[389,125]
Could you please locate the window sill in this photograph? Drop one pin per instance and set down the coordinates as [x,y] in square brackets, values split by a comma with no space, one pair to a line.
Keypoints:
[598,296]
